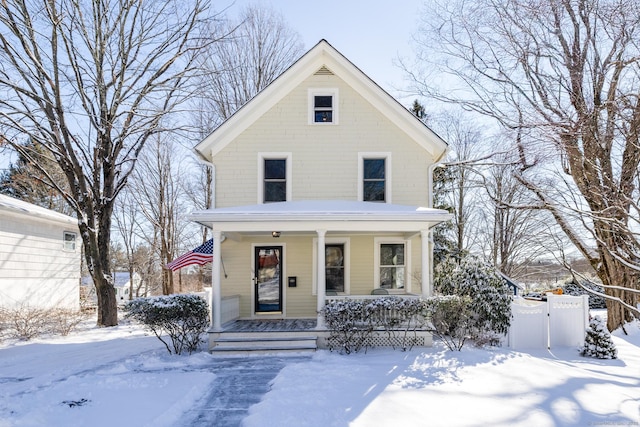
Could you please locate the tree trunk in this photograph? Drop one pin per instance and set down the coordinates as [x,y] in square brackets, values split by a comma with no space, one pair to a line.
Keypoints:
[612,272]
[107,306]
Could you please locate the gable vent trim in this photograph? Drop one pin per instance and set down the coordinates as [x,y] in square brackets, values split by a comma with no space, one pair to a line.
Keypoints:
[324,71]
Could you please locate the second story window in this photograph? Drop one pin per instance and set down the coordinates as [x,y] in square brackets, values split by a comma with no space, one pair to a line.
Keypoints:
[374,177]
[275,180]
[274,177]
[374,180]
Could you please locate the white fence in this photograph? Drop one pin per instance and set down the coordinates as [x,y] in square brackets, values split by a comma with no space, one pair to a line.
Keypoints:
[561,321]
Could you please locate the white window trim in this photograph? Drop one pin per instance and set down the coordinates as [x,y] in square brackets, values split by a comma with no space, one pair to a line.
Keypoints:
[387,173]
[347,262]
[64,241]
[407,262]
[313,92]
[273,156]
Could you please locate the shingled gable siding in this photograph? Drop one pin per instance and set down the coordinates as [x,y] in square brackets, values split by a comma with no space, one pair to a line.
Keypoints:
[324,157]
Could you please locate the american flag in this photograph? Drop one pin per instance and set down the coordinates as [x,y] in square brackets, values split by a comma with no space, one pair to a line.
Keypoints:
[200,255]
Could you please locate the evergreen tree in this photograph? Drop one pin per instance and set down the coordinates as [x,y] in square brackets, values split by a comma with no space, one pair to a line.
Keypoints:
[489,293]
[443,245]
[35,184]
[598,341]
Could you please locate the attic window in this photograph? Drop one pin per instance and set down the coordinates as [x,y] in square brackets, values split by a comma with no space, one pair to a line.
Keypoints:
[323,106]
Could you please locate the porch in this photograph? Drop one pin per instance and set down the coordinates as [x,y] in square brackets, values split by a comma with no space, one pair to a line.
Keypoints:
[260,336]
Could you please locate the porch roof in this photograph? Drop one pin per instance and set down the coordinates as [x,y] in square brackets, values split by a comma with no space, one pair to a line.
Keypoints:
[330,215]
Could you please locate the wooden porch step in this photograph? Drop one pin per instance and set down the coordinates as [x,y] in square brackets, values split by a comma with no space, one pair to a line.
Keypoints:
[264,339]
[263,344]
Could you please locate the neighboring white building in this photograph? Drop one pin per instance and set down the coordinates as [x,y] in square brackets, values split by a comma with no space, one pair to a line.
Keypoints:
[40,254]
[121,283]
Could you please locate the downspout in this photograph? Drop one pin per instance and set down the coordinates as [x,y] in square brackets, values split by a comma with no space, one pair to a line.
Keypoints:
[215,299]
[432,167]
[210,165]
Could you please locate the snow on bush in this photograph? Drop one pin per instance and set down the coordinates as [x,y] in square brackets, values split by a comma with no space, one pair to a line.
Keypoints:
[595,301]
[490,295]
[351,323]
[184,318]
[451,319]
[598,341]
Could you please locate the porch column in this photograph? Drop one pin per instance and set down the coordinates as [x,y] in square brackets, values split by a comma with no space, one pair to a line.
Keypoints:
[216,287]
[320,278]
[426,268]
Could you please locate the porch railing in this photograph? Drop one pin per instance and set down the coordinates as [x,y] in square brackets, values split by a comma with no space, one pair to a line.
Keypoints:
[384,317]
[229,308]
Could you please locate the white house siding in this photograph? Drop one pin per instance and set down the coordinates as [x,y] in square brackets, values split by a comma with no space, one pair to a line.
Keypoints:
[324,157]
[35,269]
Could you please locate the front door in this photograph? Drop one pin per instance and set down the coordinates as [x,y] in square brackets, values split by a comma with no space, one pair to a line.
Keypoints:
[268,280]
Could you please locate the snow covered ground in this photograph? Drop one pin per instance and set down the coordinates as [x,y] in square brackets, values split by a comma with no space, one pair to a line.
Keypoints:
[123,377]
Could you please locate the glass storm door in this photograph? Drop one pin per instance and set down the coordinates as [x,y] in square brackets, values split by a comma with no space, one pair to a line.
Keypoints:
[268,280]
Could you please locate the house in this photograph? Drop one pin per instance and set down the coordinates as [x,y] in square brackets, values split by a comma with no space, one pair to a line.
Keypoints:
[40,254]
[322,189]
[121,283]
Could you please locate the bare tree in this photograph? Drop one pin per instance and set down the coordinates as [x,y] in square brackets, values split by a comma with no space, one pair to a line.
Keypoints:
[158,185]
[255,49]
[90,81]
[260,46]
[564,75]
[511,231]
[126,215]
[467,148]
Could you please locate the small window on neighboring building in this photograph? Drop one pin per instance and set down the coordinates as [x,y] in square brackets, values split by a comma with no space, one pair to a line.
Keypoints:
[69,241]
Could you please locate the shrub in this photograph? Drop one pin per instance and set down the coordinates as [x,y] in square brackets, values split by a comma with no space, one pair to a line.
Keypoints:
[451,319]
[26,322]
[351,323]
[184,318]
[595,301]
[63,321]
[598,341]
[490,296]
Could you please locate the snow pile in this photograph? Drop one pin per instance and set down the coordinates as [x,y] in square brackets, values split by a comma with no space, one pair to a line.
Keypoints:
[121,376]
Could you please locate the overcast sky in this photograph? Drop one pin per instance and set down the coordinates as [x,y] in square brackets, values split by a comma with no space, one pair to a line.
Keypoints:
[371,34]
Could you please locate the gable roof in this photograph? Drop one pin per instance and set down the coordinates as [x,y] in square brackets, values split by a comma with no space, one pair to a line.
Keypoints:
[321,58]
[10,204]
